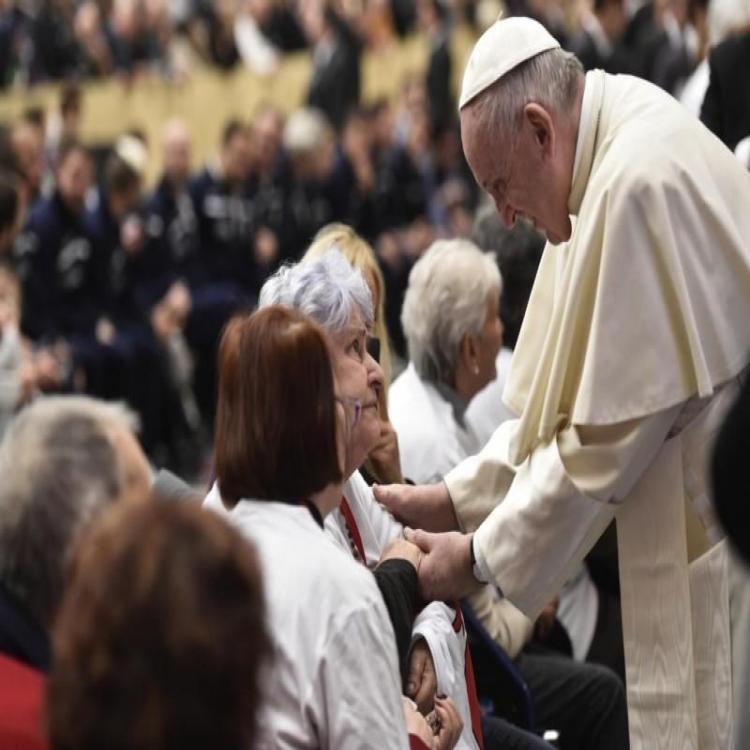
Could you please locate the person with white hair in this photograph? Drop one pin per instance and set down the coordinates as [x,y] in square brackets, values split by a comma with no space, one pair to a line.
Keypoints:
[625,364]
[63,460]
[452,325]
[334,294]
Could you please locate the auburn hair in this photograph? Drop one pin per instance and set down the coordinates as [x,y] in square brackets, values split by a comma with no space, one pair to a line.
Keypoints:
[275,436]
[161,639]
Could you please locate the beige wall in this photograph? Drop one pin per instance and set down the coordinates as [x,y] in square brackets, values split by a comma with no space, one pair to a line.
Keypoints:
[209,98]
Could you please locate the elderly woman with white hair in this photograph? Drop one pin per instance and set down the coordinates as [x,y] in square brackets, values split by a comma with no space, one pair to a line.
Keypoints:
[333,293]
[452,325]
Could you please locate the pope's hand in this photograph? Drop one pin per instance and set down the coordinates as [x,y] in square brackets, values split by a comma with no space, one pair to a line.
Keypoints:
[445,568]
[425,506]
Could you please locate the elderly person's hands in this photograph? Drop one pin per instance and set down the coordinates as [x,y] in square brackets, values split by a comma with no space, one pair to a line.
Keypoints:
[421,684]
[440,730]
[445,570]
[384,458]
[447,724]
[426,506]
[400,549]
[416,724]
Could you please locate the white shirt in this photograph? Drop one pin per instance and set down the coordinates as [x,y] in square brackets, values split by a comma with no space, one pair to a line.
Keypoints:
[486,411]
[437,623]
[433,435]
[334,680]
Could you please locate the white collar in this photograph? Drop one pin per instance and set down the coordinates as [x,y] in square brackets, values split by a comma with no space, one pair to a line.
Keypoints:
[583,124]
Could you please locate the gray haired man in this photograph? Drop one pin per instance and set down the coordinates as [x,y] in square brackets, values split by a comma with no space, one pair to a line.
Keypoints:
[62,460]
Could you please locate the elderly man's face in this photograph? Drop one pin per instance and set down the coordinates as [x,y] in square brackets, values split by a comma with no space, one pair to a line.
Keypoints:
[526,177]
[359,377]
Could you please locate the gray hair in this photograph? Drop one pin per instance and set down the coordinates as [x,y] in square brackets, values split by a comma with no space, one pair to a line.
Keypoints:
[446,298]
[550,79]
[58,466]
[327,289]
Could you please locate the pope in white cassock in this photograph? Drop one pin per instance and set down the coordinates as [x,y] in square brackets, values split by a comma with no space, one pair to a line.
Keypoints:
[635,336]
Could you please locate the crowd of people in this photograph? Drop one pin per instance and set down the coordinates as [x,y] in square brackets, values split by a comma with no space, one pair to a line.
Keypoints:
[75,39]
[327,307]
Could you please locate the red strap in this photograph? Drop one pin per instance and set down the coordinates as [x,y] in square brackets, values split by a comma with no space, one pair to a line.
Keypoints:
[471,688]
[353,529]
[476,711]
[415,743]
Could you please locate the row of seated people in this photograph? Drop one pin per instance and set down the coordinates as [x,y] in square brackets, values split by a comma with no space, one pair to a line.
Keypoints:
[128,281]
[289,440]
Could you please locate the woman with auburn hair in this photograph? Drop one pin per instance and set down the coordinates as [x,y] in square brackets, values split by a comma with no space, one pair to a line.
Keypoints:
[160,639]
[383,463]
[281,435]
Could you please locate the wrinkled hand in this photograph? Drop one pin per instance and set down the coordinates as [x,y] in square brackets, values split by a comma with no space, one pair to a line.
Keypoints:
[445,568]
[421,684]
[416,724]
[449,724]
[425,506]
[400,549]
[384,457]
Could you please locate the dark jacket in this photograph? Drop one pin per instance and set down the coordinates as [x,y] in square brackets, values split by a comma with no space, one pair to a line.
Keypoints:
[726,107]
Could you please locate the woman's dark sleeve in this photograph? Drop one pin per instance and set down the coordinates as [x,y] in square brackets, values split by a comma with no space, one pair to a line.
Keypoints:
[398,584]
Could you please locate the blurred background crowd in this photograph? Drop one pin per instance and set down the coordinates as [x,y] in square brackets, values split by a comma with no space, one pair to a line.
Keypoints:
[124,256]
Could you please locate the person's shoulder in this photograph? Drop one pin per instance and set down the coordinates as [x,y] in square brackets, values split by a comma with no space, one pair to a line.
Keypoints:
[730,53]
[299,556]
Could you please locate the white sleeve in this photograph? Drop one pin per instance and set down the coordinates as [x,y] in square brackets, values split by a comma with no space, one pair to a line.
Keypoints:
[436,623]
[357,691]
[554,505]
[377,526]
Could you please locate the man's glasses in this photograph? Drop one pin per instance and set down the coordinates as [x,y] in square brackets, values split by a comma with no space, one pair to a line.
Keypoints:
[353,409]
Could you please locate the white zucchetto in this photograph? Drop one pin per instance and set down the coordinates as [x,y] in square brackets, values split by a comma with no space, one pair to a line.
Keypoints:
[506,44]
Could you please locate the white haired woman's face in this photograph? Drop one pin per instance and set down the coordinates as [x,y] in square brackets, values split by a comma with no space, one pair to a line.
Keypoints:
[358,378]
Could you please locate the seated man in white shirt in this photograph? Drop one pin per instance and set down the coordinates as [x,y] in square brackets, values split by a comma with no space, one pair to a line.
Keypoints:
[453,329]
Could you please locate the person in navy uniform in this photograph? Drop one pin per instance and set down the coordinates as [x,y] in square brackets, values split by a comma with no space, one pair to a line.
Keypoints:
[56,264]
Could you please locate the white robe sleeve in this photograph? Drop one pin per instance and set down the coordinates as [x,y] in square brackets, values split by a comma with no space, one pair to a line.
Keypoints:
[554,505]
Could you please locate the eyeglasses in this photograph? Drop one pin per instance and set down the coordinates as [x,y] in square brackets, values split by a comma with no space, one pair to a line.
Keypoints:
[351,406]
[373,347]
